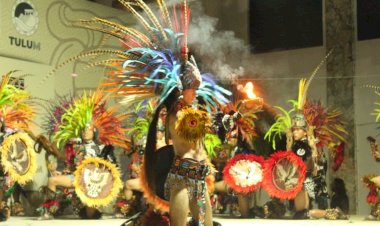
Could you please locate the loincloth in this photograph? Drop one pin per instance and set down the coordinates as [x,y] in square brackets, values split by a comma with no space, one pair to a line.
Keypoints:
[193,174]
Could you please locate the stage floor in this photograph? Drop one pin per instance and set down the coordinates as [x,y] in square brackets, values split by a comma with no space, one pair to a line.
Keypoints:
[107,221]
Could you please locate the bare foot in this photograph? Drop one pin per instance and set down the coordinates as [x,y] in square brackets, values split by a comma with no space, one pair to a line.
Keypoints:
[46,216]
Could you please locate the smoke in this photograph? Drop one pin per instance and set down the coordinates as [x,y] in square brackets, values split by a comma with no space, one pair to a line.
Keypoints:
[219,52]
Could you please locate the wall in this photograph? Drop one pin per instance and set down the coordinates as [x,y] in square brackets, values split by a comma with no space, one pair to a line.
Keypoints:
[51,39]
[367,73]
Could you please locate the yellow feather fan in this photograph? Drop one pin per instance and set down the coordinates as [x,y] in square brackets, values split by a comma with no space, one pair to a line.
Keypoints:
[192,124]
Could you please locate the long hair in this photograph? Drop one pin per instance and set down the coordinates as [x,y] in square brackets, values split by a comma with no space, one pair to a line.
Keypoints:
[150,158]
[338,186]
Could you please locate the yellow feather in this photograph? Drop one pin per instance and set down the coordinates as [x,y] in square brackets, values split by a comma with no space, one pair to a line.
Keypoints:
[304,84]
[165,13]
[152,17]
[301,94]
[137,15]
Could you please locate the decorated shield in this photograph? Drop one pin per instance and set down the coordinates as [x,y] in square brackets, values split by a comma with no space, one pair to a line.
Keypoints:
[18,157]
[244,173]
[284,174]
[97,182]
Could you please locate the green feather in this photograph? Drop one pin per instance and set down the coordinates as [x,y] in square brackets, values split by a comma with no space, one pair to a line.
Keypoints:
[211,141]
[283,122]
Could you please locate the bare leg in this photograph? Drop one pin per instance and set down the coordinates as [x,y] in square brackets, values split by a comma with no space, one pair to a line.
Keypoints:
[317,213]
[60,180]
[221,186]
[243,199]
[194,209]
[244,204]
[179,203]
[130,186]
[301,201]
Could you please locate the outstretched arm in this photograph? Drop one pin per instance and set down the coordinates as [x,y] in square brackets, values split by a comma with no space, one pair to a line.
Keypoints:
[43,142]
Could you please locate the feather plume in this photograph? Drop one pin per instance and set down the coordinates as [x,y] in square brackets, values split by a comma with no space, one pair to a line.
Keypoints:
[211,142]
[152,17]
[165,13]
[145,24]
[305,84]
[16,105]
[90,108]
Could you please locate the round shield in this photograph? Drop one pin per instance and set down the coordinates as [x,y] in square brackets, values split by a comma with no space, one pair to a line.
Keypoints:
[244,173]
[18,157]
[284,174]
[97,182]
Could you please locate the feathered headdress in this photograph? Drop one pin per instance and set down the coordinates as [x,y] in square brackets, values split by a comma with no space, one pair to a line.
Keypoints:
[142,116]
[90,109]
[285,120]
[16,110]
[328,124]
[298,119]
[155,61]
[245,124]
[55,110]
[212,142]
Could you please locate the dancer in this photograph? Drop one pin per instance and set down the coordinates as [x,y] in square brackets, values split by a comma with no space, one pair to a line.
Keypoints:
[18,164]
[88,129]
[311,127]
[156,62]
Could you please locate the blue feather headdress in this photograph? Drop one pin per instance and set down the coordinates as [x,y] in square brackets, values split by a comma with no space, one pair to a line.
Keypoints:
[154,60]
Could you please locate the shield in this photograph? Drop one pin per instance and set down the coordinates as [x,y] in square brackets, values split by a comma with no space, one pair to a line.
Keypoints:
[284,174]
[18,157]
[244,173]
[97,182]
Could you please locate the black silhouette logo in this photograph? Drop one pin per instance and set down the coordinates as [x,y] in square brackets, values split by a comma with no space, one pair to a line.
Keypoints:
[25,17]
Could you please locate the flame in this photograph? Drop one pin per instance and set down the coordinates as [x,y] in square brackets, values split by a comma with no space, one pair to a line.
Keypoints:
[248,89]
